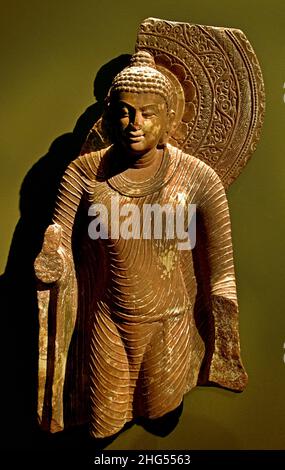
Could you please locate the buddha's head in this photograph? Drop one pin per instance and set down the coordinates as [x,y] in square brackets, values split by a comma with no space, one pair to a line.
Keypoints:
[140,106]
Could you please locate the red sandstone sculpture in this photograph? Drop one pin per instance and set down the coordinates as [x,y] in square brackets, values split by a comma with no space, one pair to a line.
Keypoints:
[128,325]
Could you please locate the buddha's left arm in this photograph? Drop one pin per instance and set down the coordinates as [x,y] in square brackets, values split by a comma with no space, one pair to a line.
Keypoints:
[226,367]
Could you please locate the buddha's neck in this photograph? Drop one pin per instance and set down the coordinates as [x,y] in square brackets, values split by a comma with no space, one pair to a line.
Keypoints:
[143,161]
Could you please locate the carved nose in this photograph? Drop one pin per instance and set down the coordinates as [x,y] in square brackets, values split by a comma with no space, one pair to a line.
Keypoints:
[137,123]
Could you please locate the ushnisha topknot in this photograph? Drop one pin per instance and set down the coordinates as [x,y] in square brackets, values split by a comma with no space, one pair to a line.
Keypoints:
[142,76]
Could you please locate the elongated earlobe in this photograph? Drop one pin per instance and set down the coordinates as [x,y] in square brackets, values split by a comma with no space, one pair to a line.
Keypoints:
[165,136]
[163,140]
[107,123]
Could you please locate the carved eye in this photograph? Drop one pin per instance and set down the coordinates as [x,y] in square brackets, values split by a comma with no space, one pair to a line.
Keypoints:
[123,112]
[148,114]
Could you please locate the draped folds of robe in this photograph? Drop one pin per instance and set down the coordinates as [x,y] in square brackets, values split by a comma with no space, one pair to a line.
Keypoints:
[135,323]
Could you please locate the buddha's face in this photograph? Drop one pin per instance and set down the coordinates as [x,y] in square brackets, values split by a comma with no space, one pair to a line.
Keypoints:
[140,120]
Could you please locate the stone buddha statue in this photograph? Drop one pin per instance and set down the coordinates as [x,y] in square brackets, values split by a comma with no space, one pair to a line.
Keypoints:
[123,330]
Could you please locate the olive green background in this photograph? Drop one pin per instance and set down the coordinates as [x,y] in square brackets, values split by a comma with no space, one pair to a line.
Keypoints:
[50,52]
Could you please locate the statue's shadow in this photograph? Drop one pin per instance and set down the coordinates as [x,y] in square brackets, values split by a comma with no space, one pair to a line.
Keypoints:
[79,440]
[19,339]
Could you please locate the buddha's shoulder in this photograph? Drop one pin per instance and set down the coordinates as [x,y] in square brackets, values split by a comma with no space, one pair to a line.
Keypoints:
[90,164]
[191,165]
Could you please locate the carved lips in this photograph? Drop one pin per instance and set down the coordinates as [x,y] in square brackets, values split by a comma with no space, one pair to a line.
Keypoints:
[135,136]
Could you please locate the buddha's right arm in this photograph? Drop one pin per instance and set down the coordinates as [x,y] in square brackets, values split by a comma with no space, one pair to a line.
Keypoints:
[53,258]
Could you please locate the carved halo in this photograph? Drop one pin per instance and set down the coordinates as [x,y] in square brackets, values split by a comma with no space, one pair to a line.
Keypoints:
[220,91]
